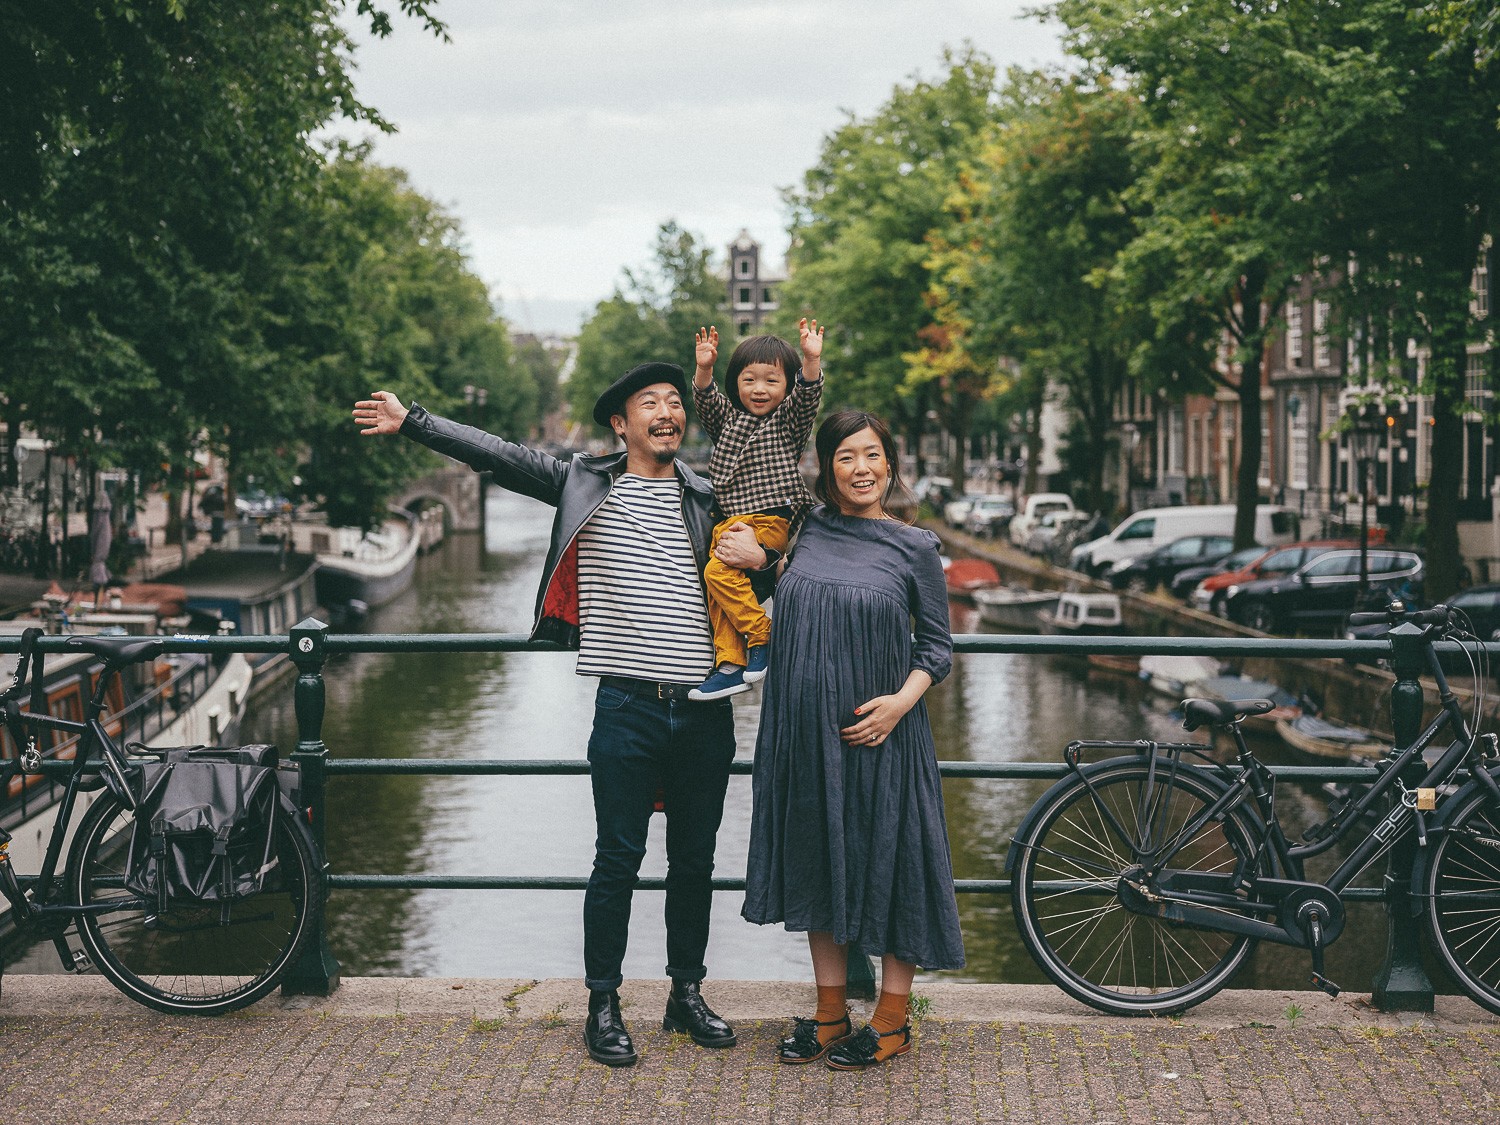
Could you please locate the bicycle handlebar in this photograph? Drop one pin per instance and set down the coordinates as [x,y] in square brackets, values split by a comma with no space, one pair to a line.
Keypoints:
[1437,615]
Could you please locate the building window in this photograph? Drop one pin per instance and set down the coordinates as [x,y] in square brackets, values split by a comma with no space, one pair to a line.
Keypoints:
[744,294]
[1264,478]
[1321,356]
[1294,335]
[1480,305]
[1175,443]
[744,328]
[1296,440]
[744,267]
[767,297]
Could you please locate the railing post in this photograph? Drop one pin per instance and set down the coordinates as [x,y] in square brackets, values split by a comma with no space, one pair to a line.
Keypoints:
[316,973]
[1402,984]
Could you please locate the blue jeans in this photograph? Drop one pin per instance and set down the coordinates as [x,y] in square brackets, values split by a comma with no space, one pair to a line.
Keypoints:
[638,743]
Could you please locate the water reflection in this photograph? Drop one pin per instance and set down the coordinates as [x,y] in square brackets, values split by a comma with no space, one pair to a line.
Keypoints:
[487,705]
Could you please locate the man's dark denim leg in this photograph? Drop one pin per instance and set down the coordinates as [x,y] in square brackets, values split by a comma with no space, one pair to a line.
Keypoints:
[628,735]
[694,777]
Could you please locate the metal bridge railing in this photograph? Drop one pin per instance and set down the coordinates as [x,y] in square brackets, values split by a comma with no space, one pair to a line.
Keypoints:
[310,644]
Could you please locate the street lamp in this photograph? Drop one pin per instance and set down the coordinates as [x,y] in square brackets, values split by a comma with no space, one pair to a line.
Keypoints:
[1366,430]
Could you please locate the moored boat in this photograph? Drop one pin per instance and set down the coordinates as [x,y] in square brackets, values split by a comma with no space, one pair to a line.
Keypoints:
[1014,607]
[1174,675]
[965,578]
[1083,615]
[358,570]
[1323,739]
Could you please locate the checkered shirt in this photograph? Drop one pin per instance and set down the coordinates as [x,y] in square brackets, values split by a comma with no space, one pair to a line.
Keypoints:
[754,464]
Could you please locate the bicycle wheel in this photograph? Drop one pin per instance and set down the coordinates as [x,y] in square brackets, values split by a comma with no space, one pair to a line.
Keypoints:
[1066,896]
[1462,893]
[187,960]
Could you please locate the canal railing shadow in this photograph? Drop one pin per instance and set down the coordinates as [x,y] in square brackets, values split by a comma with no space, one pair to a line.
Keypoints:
[310,645]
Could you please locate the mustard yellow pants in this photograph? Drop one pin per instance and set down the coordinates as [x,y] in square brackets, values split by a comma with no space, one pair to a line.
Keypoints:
[734,612]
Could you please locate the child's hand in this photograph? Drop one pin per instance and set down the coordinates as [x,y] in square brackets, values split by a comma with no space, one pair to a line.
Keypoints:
[707,341]
[812,339]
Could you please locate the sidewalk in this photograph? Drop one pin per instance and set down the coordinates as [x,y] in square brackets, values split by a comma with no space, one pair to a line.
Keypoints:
[419,1051]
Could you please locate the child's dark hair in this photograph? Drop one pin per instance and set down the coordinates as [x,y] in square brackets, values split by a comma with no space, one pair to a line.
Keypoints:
[760,349]
[837,428]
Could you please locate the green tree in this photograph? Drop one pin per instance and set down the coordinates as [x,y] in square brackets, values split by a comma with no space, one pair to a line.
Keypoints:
[1224,214]
[1045,219]
[651,315]
[861,259]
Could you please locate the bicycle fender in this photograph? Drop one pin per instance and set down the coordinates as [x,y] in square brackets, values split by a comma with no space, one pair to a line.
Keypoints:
[1439,824]
[1023,830]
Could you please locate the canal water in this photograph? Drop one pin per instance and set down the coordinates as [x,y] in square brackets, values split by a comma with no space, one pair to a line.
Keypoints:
[532,705]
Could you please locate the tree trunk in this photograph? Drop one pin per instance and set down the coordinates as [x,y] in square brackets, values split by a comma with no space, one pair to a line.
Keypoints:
[1247,477]
[1441,539]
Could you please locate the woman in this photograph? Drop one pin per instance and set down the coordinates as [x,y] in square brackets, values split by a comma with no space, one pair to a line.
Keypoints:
[847,836]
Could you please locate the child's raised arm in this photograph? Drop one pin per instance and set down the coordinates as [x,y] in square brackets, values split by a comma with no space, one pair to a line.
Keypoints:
[706,353]
[811,337]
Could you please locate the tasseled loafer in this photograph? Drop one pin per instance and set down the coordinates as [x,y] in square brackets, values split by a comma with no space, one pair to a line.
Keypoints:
[802,1045]
[862,1049]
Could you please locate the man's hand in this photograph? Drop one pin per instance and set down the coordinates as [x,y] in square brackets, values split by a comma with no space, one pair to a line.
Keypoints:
[811,338]
[381,413]
[738,548]
[705,355]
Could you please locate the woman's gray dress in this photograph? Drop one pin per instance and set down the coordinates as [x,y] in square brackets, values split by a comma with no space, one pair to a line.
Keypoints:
[851,839]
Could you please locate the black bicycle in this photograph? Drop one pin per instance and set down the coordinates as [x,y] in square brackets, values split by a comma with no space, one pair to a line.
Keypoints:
[178,956]
[1144,881]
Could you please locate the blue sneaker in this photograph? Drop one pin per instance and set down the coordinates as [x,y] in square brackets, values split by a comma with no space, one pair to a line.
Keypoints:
[755,671]
[721,685]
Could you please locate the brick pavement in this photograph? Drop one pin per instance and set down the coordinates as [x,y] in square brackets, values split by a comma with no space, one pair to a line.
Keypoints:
[437,1051]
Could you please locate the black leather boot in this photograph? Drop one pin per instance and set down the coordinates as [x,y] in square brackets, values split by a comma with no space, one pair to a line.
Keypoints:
[604,1034]
[687,1012]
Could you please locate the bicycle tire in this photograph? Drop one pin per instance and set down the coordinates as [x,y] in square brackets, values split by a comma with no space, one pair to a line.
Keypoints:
[187,961]
[1105,955]
[1462,893]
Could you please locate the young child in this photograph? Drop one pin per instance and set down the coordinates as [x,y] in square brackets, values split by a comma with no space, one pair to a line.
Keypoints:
[760,423]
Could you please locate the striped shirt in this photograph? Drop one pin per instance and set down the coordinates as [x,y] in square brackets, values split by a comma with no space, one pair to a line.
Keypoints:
[641,609]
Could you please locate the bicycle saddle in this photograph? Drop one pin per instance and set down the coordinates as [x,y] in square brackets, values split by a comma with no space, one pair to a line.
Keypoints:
[118,650]
[1201,712]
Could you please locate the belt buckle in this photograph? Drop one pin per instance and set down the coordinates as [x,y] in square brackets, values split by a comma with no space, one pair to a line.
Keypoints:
[663,692]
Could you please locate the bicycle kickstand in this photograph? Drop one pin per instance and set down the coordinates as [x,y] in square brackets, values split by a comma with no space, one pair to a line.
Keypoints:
[1311,915]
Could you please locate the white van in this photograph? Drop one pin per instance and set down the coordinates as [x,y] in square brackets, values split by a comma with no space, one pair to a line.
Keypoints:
[1151,528]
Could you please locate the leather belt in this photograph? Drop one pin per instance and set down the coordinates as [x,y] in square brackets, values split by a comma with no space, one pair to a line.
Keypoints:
[676,693]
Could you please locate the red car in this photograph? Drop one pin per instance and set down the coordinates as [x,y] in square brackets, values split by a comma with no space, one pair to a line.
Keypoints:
[1209,595]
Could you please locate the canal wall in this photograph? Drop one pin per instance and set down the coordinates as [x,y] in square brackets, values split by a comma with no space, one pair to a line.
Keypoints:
[1346,692]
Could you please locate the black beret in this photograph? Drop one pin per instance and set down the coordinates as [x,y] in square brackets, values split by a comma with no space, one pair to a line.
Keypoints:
[612,401]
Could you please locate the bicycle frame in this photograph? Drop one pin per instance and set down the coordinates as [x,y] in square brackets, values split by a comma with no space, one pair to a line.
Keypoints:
[1214,901]
[109,764]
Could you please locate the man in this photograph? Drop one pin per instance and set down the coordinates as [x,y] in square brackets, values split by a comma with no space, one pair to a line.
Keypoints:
[623,583]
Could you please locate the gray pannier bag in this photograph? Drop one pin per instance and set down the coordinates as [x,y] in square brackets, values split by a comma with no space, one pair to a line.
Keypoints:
[204,825]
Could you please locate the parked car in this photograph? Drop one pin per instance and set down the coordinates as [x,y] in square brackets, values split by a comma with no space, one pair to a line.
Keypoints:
[1186,581]
[989,516]
[1030,514]
[1324,590]
[1146,572]
[933,491]
[1208,596]
[1057,533]
[1151,528]
[956,511]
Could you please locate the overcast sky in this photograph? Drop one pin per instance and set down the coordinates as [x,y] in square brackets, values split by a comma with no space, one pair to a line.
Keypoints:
[562,133]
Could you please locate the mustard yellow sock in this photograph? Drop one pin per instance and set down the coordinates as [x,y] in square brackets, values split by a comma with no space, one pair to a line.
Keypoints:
[890,1014]
[833,1006]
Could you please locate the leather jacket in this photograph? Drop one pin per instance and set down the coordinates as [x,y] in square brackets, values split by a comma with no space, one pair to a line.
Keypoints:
[576,488]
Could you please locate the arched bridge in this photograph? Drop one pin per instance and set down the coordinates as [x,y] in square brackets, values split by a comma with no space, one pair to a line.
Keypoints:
[456,489]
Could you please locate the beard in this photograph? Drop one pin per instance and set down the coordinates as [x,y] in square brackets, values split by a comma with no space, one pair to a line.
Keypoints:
[665,456]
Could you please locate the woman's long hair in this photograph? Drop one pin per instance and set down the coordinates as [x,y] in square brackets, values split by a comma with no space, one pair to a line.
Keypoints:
[836,428]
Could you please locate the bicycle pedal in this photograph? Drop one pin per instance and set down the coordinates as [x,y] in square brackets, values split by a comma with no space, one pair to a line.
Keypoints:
[81,962]
[1325,984]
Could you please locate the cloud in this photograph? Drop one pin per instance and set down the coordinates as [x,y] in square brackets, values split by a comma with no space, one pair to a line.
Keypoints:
[562,134]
